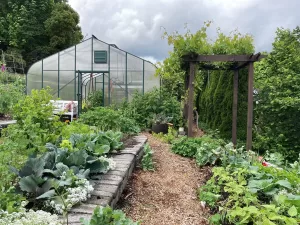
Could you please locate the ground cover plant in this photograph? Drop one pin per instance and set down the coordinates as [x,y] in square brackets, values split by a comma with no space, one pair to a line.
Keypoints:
[147,161]
[108,216]
[244,191]
[188,147]
[169,137]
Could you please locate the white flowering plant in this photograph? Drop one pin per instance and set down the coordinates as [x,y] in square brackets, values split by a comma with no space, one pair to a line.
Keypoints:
[31,217]
[68,191]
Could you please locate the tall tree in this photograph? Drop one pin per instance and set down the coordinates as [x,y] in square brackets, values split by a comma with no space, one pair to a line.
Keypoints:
[32,26]
[62,27]
[278,85]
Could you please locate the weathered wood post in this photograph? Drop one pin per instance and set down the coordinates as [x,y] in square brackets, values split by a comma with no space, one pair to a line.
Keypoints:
[234,107]
[191,98]
[250,107]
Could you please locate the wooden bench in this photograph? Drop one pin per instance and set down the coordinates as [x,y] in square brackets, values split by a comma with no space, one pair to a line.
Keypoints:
[65,108]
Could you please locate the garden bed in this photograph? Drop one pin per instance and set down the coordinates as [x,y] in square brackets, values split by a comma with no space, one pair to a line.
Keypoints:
[109,187]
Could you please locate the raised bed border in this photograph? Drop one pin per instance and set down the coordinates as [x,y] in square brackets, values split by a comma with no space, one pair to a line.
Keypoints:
[109,187]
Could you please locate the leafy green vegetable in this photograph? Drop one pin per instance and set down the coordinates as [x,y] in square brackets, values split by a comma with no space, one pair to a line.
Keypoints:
[108,216]
[186,146]
[147,162]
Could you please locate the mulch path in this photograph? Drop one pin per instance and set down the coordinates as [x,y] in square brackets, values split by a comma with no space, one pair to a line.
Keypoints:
[168,195]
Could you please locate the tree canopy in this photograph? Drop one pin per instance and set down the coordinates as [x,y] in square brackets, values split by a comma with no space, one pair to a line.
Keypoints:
[38,27]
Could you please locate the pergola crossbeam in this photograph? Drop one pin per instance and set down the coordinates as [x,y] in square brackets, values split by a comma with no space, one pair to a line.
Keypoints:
[224,58]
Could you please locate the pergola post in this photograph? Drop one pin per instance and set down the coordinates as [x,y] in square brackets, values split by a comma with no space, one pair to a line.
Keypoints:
[250,107]
[234,107]
[191,99]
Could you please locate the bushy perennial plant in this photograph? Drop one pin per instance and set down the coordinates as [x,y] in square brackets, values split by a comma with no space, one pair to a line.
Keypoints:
[30,217]
[74,195]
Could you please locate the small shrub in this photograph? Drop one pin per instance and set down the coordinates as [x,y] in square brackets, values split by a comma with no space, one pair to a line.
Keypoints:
[186,146]
[10,95]
[143,108]
[109,119]
[95,99]
[35,125]
[75,127]
[167,138]
[147,162]
[108,216]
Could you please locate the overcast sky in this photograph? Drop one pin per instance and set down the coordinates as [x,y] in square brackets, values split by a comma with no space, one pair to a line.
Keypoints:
[135,25]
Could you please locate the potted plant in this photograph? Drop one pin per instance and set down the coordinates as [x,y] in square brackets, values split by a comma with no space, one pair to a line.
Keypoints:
[160,123]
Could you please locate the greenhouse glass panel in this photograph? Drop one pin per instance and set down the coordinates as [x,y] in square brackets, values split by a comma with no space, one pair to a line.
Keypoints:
[84,55]
[34,79]
[151,80]
[51,63]
[134,75]
[66,85]
[67,59]
[51,80]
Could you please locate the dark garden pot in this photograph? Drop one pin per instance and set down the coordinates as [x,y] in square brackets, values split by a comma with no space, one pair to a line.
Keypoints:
[160,128]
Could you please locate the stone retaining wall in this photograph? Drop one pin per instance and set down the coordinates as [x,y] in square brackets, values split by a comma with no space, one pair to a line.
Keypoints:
[109,187]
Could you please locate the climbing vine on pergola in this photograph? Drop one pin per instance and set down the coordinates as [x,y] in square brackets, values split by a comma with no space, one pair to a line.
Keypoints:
[237,62]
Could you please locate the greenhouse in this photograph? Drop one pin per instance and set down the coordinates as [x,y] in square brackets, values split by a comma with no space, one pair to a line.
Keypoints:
[93,65]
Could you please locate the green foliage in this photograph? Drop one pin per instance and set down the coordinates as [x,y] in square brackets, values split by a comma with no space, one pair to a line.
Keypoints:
[109,119]
[143,108]
[252,194]
[277,79]
[97,144]
[95,99]
[62,27]
[10,201]
[266,214]
[167,138]
[186,146]
[208,153]
[41,177]
[147,162]
[213,90]
[38,28]
[108,216]
[76,127]
[7,78]
[10,95]
[215,152]
[35,125]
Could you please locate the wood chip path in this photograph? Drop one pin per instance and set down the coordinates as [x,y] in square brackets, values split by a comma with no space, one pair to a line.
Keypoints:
[167,196]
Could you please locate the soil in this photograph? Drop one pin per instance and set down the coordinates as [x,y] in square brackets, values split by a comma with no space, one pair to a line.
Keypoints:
[129,142]
[167,196]
[4,117]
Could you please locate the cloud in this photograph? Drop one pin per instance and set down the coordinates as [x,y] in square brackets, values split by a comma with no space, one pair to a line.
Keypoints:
[136,25]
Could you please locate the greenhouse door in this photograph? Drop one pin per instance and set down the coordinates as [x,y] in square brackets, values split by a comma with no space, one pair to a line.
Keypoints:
[88,82]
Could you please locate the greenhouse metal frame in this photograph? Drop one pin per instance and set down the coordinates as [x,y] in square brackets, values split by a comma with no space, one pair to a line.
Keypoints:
[90,66]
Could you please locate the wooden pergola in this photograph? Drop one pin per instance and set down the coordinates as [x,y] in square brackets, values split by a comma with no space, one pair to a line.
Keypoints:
[238,62]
